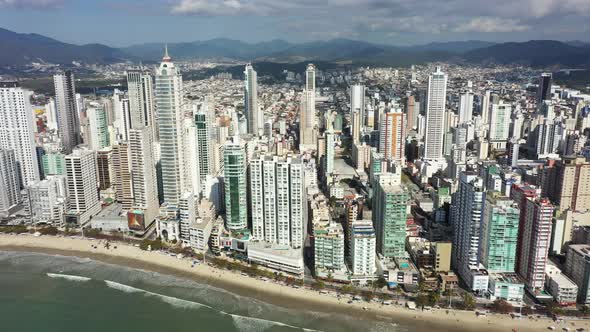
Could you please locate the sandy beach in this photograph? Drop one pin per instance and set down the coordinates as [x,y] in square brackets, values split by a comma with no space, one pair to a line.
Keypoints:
[127,255]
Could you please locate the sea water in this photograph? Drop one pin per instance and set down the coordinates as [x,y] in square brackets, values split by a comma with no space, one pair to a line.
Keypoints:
[53,293]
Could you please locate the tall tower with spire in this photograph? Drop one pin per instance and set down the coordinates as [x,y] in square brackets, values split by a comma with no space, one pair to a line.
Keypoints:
[170,119]
[308,122]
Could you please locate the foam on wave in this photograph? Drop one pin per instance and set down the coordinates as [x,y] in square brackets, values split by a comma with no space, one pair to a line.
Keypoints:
[68,277]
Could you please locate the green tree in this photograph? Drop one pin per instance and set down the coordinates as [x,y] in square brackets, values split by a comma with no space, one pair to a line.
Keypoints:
[381,282]
[422,300]
[318,285]
[433,298]
[585,310]
[468,301]
[502,307]
[367,295]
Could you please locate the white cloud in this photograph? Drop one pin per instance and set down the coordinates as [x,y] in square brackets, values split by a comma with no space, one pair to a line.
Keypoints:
[490,25]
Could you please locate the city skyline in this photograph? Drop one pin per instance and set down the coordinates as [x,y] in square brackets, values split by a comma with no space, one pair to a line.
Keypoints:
[391,23]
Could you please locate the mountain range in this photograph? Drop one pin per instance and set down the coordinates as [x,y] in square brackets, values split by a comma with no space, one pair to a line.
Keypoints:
[28,48]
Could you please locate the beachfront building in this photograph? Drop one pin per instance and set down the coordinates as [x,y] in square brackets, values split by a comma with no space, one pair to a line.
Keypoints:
[46,200]
[187,214]
[506,286]
[277,257]
[9,183]
[200,230]
[17,130]
[577,267]
[466,218]
[499,233]
[390,206]
[169,102]
[82,189]
[363,245]
[534,240]
[122,175]
[143,173]
[277,201]
[235,185]
[562,288]
[328,245]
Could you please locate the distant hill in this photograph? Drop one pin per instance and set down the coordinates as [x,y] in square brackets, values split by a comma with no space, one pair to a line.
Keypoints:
[20,49]
[537,53]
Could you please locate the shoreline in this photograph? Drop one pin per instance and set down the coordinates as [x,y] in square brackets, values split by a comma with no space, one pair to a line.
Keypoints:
[270,292]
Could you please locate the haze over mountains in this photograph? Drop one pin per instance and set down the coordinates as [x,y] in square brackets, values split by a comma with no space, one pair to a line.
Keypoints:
[22,49]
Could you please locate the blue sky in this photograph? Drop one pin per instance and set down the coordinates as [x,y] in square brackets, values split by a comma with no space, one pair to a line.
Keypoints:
[400,22]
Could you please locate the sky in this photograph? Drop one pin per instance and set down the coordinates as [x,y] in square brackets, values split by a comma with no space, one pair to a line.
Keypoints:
[397,22]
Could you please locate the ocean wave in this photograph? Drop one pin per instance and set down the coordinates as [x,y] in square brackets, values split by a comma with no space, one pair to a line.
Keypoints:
[243,323]
[174,301]
[68,277]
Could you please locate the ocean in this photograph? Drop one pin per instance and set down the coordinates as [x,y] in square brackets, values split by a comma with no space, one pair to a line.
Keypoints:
[53,293]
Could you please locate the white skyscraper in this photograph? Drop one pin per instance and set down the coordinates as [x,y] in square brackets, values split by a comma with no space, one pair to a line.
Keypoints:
[141,100]
[357,111]
[437,93]
[47,199]
[329,155]
[500,125]
[466,104]
[254,116]
[82,184]
[17,130]
[9,185]
[307,121]
[67,110]
[277,200]
[363,248]
[170,122]
[143,173]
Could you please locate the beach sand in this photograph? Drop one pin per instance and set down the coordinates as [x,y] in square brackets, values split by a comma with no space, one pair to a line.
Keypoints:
[268,291]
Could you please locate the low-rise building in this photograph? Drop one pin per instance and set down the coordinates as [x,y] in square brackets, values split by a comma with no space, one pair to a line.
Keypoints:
[562,288]
[277,257]
[506,286]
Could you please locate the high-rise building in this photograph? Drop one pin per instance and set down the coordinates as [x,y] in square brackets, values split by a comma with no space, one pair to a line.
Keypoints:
[99,127]
[549,136]
[143,173]
[390,206]
[392,136]
[17,130]
[170,122]
[235,185]
[577,267]
[363,245]
[46,200]
[204,148]
[544,88]
[307,120]
[122,175]
[499,233]
[53,163]
[82,189]
[9,183]
[357,111]
[251,108]
[437,96]
[329,154]
[533,242]
[277,201]
[104,167]
[67,110]
[500,125]
[328,245]
[466,217]
[572,184]
[466,104]
[141,99]
[412,112]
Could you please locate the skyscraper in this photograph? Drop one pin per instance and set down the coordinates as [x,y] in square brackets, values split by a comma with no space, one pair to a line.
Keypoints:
[308,121]
[277,200]
[99,127]
[141,100]
[17,131]
[572,184]
[437,94]
[389,217]
[81,178]
[9,185]
[67,110]
[363,248]
[122,175]
[143,173]
[329,155]
[466,104]
[544,88]
[499,233]
[357,111]
[253,114]
[533,242]
[170,119]
[204,147]
[235,185]
[392,136]
[500,125]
